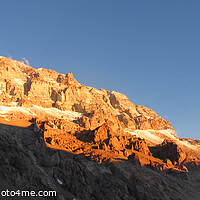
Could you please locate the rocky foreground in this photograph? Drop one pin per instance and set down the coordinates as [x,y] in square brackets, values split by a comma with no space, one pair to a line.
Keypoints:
[85,143]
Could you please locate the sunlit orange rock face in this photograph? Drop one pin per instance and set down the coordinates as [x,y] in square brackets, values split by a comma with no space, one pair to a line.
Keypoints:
[26,86]
[107,118]
[101,126]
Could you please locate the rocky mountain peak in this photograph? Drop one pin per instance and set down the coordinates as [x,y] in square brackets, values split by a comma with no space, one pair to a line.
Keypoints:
[22,86]
[70,79]
[87,143]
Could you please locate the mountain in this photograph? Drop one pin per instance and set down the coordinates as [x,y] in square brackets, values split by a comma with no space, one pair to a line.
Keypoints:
[58,134]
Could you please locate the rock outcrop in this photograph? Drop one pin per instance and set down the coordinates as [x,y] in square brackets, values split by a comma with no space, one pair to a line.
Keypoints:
[85,143]
[169,150]
[25,86]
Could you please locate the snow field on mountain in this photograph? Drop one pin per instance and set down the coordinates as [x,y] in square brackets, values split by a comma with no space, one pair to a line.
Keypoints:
[37,110]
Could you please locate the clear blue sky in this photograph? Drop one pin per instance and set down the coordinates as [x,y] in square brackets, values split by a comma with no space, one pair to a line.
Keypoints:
[149,50]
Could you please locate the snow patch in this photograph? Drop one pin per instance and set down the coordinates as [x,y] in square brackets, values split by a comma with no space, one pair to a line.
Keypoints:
[187,144]
[145,134]
[13,103]
[5,110]
[148,117]
[169,133]
[37,110]
[54,112]
[59,181]
[131,132]
[153,136]
[17,81]
[157,137]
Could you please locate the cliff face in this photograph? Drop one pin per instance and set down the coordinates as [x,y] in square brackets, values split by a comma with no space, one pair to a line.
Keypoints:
[100,133]
[22,85]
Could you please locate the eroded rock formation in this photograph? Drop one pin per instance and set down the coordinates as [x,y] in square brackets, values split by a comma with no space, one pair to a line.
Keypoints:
[97,143]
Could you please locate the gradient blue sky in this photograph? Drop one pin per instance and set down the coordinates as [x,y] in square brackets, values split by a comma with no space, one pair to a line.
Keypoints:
[148,50]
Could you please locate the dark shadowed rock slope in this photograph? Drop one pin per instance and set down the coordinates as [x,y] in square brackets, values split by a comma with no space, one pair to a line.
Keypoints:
[28,164]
